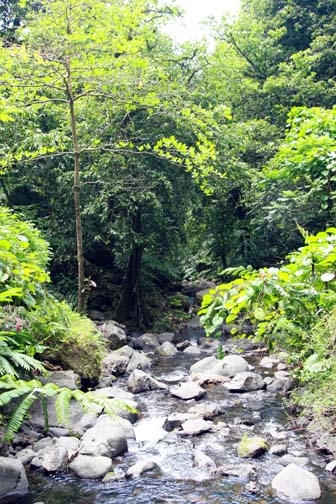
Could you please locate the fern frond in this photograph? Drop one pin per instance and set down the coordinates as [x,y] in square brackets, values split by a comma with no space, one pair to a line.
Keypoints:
[9,395]
[86,400]
[26,362]
[62,406]
[19,415]
[5,367]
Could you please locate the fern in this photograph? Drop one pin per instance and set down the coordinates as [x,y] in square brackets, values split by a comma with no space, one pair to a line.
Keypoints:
[62,406]
[19,415]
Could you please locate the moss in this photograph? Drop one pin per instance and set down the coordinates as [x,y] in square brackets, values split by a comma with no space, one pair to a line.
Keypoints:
[252,447]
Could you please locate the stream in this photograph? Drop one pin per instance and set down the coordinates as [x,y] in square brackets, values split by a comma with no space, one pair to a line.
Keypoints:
[178,481]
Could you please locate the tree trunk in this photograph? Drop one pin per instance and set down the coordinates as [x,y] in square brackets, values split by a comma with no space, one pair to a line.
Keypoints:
[131,307]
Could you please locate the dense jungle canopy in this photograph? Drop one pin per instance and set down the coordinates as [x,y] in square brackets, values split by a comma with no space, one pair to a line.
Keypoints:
[144,162]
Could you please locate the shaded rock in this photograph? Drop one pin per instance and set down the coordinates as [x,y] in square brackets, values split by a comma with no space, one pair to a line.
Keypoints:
[188,390]
[243,471]
[147,341]
[195,427]
[208,379]
[296,483]
[138,361]
[167,349]
[252,447]
[278,450]
[67,379]
[113,333]
[245,382]
[13,480]
[175,420]
[166,337]
[141,467]
[106,438]
[182,345]
[282,375]
[36,418]
[276,385]
[114,364]
[86,422]
[86,466]
[25,455]
[139,381]
[203,461]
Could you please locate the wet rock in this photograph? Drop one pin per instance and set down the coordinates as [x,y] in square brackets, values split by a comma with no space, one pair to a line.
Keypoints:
[106,439]
[94,467]
[114,364]
[113,333]
[252,447]
[203,461]
[166,337]
[204,379]
[58,432]
[276,385]
[86,422]
[296,483]
[13,480]
[125,426]
[278,450]
[183,345]
[167,349]
[292,459]
[138,361]
[188,390]
[204,366]
[252,487]
[192,350]
[139,381]
[245,382]
[36,417]
[243,471]
[140,468]
[175,420]
[206,410]
[282,375]
[195,427]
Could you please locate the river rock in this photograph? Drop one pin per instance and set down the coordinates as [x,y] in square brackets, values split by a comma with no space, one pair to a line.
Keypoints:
[188,390]
[206,410]
[125,426]
[67,379]
[138,361]
[245,382]
[106,439]
[25,455]
[55,456]
[229,366]
[242,471]
[252,447]
[203,461]
[192,350]
[195,427]
[204,379]
[269,361]
[331,466]
[276,385]
[182,345]
[278,450]
[288,458]
[296,483]
[13,480]
[86,466]
[167,349]
[166,337]
[147,341]
[114,364]
[175,420]
[141,467]
[139,381]
[113,333]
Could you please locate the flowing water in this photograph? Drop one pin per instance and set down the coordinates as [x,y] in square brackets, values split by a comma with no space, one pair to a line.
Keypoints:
[178,481]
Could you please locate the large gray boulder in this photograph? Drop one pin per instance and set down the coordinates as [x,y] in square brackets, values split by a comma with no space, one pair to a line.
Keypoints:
[245,382]
[86,466]
[167,349]
[138,360]
[114,364]
[195,427]
[139,381]
[68,379]
[140,468]
[107,438]
[296,483]
[113,333]
[13,481]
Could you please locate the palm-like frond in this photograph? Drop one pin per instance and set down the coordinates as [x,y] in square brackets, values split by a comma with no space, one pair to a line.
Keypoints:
[19,415]
[87,401]
[25,361]
[62,406]
[14,393]
[6,367]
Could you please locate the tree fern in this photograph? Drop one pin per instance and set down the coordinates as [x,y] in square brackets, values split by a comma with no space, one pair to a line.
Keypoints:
[62,405]
[19,415]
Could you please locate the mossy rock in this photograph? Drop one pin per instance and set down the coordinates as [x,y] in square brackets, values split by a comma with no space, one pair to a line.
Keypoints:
[252,447]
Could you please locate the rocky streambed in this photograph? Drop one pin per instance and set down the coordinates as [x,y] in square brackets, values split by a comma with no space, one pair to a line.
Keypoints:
[206,430]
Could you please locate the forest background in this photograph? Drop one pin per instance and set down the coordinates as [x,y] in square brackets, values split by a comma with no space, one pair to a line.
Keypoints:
[144,162]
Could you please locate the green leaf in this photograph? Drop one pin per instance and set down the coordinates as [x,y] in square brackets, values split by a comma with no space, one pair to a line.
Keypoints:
[259,314]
